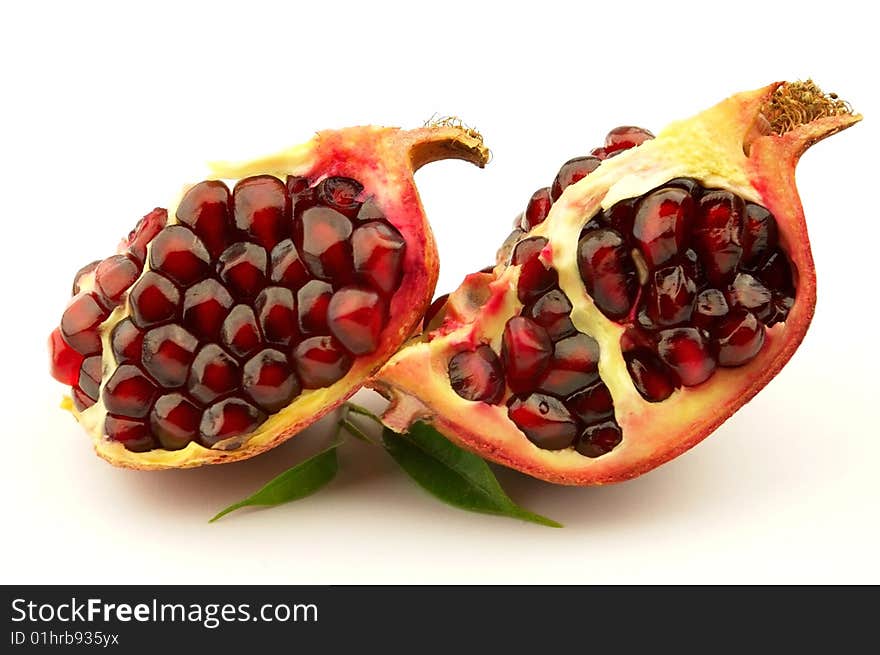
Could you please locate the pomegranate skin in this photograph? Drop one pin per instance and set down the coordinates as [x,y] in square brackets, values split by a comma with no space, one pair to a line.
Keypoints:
[757,165]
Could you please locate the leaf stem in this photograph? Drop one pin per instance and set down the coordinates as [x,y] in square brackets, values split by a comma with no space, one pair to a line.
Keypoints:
[363,411]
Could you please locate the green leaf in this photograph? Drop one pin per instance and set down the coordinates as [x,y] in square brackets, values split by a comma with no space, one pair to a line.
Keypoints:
[453,475]
[302,480]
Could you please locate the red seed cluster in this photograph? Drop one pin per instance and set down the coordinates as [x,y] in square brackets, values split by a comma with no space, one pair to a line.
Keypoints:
[252,296]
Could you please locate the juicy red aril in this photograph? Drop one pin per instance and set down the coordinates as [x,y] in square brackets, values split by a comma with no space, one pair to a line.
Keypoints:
[661,224]
[537,209]
[205,306]
[114,276]
[592,404]
[133,434]
[214,373]
[174,421]
[572,171]
[81,274]
[607,271]
[80,321]
[296,184]
[710,306]
[526,350]
[240,332]
[760,233]
[90,376]
[718,234]
[242,268]
[64,361]
[377,253]
[689,184]
[356,316]
[551,311]
[325,236]
[620,216]
[625,137]
[311,305]
[261,209]
[544,420]
[320,361]
[687,353]
[597,440]
[573,366]
[167,354]
[671,296]
[341,193]
[153,299]
[80,400]
[180,255]
[144,232]
[748,293]
[205,208]
[649,375]
[534,277]
[228,418]
[128,392]
[477,375]
[275,312]
[775,273]
[738,338]
[126,342]
[268,380]
[287,267]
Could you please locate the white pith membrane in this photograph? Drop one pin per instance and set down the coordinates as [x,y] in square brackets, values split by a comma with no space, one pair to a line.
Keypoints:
[708,148]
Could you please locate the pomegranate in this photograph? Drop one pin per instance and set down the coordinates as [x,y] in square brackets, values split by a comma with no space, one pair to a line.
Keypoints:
[223,327]
[654,288]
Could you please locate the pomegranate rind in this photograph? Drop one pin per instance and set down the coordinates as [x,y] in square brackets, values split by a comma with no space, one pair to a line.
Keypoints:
[710,147]
[383,159]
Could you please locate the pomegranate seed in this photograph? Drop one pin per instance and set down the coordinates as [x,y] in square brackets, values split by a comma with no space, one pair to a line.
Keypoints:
[687,353]
[167,354]
[228,418]
[205,209]
[311,304]
[535,278]
[180,255]
[242,268]
[377,252]
[717,234]
[126,341]
[662,223]
[526,351]
[268,380]
[671,296]
[356,317]
[174,421]
[240,333]
[689,184]
[551,311]
[81,401]
[537,209]
[600,439]
[325,237]
[748,293]
[296,184]
[81,274]
[275,311]
[573,367]
[544,420]
[710,305]
[693,268]
[214,373]
[128,392]
[738,337]
[114,276]
[64,361]
[341,193]
[649,375]
[775,273]
[620,217]
[133,434]
[779,309]
[625,137]
[320,361]
[760,233]
[144,232]
[205,306]
[600,153]
[572,171]
[261,209]
[592,404]
[477,375]
[80,321]
[153,299]
[370,211]
[288,269]
[90,376]
[608,272]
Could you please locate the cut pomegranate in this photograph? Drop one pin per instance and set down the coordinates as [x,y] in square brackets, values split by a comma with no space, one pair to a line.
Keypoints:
[477,375]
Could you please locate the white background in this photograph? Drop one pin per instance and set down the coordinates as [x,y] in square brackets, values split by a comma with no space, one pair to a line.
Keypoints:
[107,110]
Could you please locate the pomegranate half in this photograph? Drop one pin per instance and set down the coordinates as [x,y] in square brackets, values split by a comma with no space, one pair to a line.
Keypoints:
[647,294]
[259,302]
